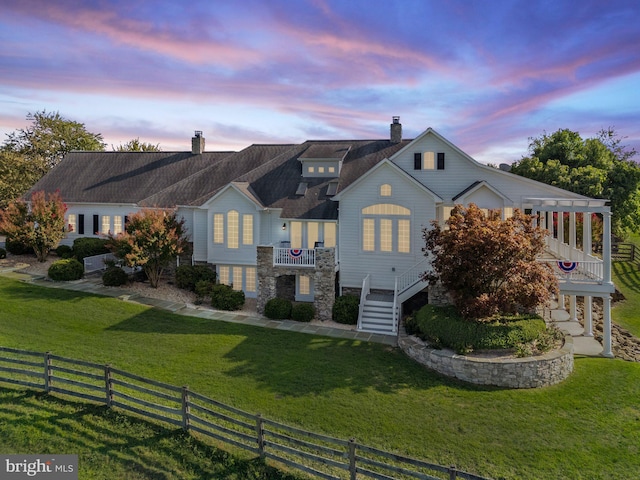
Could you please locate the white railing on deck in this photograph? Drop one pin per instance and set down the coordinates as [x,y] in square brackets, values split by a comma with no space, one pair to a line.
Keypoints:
[366,289]
[301,257]
[590,271]
[97,262]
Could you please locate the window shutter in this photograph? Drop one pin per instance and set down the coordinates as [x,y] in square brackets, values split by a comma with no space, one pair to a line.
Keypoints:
[440,160]
[81,224]
[126,219]
[417,161]
[96,224]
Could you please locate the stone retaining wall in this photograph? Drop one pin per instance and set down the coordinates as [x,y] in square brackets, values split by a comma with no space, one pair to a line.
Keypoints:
[529,372]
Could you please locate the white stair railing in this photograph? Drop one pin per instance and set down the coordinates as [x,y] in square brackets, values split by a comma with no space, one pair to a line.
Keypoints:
[411,276]
[366,289]
[396,312]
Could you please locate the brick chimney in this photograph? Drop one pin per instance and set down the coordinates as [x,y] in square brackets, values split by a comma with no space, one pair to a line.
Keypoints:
[197,143]
[396,130]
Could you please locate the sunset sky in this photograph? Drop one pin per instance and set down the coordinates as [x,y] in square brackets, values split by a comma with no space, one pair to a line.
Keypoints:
[485,74]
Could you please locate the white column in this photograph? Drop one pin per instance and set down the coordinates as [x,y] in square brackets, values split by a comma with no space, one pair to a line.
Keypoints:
[588,317]
[586,233]
[573,315]
[561,227]
[606,248]
[572,230]
[561,301]
[606,314]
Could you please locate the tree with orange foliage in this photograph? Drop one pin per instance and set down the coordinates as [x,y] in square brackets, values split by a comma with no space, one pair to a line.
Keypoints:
[151,240]
[489,265]
[38,224]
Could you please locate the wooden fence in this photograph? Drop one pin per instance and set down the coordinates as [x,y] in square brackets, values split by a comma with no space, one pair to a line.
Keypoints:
[319,455]
[624,252]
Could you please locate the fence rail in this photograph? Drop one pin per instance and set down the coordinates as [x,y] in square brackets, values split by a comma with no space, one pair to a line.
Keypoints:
[624,252]
[312,453]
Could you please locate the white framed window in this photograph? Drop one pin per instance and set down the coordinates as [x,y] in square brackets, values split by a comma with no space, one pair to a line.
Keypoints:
[404,236]
[332,169]
[385,190]
[247,229]
[312,234]
[368,234]
[218,228]
[311,169]
[320,169]
[428,161]
[329,234]
[72,223]
[223,274]
[386,235]
[385,209]
[117,224]
[304,285]
[237,278]
[250,279]
[106,224]
[296,234]
[232,229]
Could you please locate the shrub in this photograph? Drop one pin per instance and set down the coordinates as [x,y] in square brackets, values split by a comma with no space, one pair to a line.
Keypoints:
[303,312]
[3,253]
[88,247]
[64,251]
[278,309]
[346,309]
[66,270]
[224,297]
[16,247]
[114,277]
[411,325]
[203,289]
[187,276]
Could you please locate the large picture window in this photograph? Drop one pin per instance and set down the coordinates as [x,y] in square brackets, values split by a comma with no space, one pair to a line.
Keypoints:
[232,229]
[386,227]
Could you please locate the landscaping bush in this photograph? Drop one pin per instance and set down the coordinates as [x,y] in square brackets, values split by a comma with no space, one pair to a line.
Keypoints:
[203,289]
[3,253]
[64,251]
[16,247]
[88,247]
[445,327]
[187,276]
[66,270]
[224,297]
[303,312]
[346,309]
[114,277]
[278,309]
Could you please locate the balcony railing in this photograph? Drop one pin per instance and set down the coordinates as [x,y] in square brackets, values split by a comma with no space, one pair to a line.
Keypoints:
[569,271]
[298,257]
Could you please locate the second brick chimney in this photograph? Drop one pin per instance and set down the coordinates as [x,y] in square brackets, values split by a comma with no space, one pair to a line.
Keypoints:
[197,143]
[396,130]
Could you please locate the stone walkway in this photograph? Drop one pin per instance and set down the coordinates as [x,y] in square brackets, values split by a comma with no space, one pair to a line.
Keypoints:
[582,345]
[94,285]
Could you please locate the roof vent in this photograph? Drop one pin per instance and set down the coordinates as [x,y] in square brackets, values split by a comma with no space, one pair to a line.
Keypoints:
[302,188]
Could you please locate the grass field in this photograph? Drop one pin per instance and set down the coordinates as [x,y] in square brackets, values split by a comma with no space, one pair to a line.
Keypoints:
[588,427]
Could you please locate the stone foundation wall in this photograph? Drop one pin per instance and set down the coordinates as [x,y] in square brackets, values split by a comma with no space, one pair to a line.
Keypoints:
[529,372]
[438,296]
[324,278]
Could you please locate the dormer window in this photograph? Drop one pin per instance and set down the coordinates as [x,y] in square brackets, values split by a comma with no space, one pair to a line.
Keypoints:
[385,190]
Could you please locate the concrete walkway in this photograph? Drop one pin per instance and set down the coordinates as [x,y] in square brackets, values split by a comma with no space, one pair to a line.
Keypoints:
[94,285]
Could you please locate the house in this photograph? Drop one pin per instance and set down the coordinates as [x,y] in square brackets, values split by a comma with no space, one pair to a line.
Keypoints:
[318,219]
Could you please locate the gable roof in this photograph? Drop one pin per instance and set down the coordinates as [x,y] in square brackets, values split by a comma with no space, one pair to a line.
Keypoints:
[475,186]
[121,177]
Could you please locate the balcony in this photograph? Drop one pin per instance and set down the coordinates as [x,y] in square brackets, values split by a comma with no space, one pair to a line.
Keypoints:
[294,257]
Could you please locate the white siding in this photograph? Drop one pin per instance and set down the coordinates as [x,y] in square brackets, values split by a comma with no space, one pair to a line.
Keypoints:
[89,210]
[460,172]
[199,236]
[355,263]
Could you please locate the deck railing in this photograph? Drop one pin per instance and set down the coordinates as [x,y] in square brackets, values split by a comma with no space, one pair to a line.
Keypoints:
[569,271]
[299,257]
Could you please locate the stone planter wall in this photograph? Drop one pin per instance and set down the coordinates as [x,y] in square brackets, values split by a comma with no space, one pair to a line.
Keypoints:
[529,372]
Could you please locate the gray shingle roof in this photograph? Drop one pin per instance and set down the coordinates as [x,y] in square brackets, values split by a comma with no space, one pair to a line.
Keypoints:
[269,174]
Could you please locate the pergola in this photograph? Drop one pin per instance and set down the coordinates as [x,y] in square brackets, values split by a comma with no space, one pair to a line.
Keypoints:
[579,271]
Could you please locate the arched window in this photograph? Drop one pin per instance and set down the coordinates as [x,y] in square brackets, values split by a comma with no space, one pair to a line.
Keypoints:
[386,228]
[385,190]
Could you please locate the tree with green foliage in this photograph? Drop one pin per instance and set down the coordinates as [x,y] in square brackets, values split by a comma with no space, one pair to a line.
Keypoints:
[135,145]
[28,153]
[596,167]
[488,265]
[151,240]
[39,224]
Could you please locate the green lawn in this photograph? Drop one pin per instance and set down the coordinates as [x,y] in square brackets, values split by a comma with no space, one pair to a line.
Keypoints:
[626,277]
[588,427]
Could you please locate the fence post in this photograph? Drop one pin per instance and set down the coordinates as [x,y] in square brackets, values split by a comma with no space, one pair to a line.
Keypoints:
[352,459]
[47,372]
[108,386]
[453,472]
[260,434]
[185,408]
